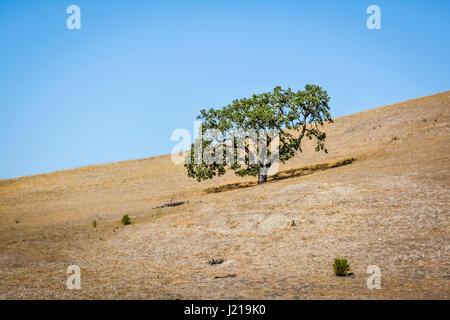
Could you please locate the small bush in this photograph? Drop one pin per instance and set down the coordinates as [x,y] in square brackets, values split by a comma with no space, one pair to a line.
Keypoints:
[94,224]
[341,267]
[215,261]
[126,220]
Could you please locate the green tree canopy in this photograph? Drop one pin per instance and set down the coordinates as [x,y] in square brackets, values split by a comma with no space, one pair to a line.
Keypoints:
[283,111]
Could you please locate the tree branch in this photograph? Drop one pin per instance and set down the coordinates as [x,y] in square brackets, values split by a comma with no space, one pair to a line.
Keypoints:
[302,133]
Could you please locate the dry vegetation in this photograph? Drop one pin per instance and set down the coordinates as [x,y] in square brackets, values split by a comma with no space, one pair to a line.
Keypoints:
[277,240]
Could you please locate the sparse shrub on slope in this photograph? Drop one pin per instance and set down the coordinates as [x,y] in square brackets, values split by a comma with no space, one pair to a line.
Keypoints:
[126,220]
[341,267]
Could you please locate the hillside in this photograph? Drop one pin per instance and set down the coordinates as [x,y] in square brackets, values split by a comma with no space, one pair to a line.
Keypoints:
[389,207]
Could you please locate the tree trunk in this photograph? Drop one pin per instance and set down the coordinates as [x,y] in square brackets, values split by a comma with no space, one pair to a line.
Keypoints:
[262,178]
[264,168]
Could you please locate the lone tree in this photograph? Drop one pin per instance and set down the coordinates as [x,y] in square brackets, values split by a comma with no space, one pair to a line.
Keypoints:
[282,115]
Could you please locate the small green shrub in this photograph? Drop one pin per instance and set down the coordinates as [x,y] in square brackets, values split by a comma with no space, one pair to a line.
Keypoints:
[126,220]
[94,224]
[341,267]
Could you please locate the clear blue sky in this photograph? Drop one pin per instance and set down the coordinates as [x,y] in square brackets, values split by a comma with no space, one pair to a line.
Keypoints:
[137,70]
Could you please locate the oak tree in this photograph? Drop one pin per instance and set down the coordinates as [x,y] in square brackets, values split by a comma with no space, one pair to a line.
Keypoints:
[285,115]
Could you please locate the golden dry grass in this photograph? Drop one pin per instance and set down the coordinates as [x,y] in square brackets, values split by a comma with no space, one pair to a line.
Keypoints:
[389,208]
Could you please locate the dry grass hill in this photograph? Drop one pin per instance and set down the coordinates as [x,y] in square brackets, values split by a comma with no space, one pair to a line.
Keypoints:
[379,197]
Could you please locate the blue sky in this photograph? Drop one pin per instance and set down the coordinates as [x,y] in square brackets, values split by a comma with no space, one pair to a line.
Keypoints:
[137,70]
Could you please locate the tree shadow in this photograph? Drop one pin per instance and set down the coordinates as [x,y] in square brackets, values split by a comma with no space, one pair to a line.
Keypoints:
[286,174]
